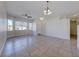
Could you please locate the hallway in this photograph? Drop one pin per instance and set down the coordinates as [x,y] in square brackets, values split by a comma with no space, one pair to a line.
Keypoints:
[36,46]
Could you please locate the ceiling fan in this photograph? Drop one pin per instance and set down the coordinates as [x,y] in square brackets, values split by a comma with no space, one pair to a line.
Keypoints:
[27,16]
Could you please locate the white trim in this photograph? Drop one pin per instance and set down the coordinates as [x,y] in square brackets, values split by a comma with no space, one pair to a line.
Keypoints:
[2,47]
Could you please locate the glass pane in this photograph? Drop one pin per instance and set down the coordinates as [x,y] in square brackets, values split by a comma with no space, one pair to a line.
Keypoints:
[20,25]
[10,25]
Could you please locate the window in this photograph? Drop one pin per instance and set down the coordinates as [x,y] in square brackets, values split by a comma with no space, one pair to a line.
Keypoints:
[30,26]
[20,25]
[10,25]
[24,26]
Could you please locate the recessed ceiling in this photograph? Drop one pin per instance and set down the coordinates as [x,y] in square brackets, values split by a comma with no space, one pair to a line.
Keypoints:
[35,8]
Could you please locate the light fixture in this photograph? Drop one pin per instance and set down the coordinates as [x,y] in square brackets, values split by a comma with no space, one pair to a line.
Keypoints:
[47,10]
[26,17]
[41,18]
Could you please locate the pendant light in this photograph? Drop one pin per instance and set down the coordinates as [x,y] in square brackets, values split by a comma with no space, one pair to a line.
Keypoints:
[47,9]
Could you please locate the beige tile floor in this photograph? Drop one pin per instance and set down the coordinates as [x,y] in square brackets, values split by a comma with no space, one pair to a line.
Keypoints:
[39,46]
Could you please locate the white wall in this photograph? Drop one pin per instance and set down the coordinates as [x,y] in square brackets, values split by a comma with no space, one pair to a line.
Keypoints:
[40,26]
[3,26]
[18,33]
[78,36]
[55,27]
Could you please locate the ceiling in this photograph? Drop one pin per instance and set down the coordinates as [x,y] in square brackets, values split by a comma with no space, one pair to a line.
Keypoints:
[35,8]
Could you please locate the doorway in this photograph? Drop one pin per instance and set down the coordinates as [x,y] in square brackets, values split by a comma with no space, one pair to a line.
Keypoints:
[73,29]
[73,32]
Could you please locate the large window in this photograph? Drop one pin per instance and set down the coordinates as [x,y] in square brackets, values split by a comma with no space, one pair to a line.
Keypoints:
[10,25]
[20,25]
[24,26]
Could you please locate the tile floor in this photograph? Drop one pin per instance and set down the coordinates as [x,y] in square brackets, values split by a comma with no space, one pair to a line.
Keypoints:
[39,46]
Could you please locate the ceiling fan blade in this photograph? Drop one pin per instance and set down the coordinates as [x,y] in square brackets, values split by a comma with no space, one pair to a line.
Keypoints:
[29,16]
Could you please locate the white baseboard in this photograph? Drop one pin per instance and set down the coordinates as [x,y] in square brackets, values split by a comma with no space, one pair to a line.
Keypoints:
[2,47]
[54,37]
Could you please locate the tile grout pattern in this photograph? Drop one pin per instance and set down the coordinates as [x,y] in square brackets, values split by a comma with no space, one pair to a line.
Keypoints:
[39,46]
